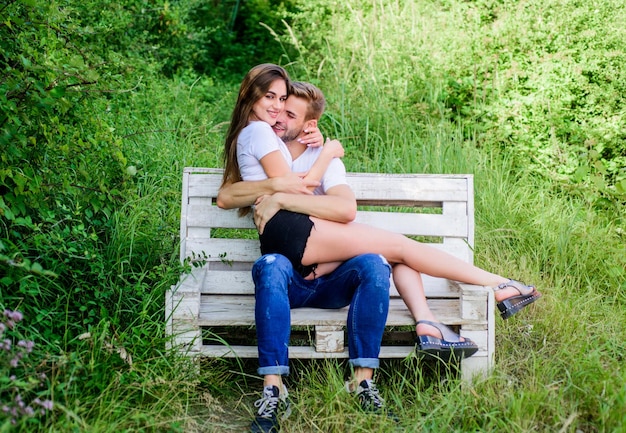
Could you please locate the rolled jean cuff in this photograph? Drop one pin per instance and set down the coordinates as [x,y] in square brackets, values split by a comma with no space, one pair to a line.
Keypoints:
[280,370]
[365,362]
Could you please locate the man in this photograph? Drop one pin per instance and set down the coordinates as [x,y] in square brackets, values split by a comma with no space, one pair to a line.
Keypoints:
[361,282]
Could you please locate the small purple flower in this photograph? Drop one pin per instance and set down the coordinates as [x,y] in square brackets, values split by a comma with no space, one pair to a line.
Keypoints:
[28,345]
[18,407]
[16,316]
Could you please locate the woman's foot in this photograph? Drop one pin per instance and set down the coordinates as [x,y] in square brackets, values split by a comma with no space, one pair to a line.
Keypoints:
[441,342]
[427,328]
[512,296]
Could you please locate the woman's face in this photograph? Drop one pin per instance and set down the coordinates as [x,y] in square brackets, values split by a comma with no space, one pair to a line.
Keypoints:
[271,104]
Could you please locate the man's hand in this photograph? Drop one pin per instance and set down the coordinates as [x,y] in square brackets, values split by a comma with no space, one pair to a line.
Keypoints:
[265,208]
[294,183]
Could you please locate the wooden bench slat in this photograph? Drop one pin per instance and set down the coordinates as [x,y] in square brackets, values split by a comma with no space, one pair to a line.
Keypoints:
[412,224]
[308,352]
[224,310]
[239,282]
[373,186]
[248,250]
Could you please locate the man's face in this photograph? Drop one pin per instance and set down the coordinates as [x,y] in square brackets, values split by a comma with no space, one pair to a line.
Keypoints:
[290,122]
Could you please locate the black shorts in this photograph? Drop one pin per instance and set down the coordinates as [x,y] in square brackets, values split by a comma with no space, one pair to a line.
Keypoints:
[287,233]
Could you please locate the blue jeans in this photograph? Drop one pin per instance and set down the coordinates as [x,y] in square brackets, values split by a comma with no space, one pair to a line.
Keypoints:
[361,282]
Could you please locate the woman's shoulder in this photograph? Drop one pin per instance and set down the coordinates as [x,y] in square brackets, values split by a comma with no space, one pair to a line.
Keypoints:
[255,132]
[256,126]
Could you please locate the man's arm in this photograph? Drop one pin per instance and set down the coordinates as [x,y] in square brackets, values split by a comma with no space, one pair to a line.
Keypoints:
[338,204]
[245,193]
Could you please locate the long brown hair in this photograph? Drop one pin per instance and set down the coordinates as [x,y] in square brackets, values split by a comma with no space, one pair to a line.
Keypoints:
[253,87]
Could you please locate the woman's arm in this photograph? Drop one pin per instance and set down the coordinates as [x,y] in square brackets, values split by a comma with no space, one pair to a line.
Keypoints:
[274,163]
[332,149]
[244,193]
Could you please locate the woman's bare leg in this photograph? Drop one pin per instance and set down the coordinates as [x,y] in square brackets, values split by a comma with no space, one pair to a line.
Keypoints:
[411,287]
[331,242]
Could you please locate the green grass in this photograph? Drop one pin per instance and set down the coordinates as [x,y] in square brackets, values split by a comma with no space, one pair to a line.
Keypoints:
[435,87]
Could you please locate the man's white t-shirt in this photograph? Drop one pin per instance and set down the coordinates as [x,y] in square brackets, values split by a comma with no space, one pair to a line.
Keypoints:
[335,173]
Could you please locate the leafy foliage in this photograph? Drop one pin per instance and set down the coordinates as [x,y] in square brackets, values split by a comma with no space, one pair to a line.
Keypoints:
[64,171]
[552,98]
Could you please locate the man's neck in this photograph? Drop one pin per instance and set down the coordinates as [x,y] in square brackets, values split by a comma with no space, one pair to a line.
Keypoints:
[295,148]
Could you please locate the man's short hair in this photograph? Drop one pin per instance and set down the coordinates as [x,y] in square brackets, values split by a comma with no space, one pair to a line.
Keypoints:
[313,95]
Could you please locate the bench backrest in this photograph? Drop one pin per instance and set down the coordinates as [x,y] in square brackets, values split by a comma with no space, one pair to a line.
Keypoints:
[438,209]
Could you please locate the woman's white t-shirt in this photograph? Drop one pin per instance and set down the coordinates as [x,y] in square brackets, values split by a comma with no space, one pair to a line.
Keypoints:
[255,141]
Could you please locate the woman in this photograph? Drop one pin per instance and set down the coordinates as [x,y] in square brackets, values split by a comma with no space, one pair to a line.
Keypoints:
[261,98]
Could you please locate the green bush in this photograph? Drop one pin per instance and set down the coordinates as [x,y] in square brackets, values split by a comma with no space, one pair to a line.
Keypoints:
[63,170]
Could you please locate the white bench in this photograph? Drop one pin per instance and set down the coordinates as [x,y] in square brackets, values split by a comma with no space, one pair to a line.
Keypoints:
[211,309]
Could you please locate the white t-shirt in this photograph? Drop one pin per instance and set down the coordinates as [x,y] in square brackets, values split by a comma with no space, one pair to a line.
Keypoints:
[255,141]
[335,173]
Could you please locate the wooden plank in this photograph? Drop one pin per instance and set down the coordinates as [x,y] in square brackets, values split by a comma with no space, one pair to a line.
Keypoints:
[368,186]
[183,216]
[248,250]
[309,352]
[329,339]
[202,215]
[239,282]
[225,250]
[416,224]
[221,310]
[408,187]
[412,224]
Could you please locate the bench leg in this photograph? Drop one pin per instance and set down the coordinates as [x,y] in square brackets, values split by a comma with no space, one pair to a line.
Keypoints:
[477,311]
[329,339]
[182,309]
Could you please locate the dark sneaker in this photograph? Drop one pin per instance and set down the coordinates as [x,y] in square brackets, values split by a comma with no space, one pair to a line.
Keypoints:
[271,405]
[369,397]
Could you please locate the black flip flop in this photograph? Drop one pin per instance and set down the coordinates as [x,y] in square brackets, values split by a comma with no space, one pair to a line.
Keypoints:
[448,348]
[510,306]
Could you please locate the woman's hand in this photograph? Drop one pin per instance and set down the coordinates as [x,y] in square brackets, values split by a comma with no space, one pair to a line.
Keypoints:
[312,137]
[334,147]
[265,208]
